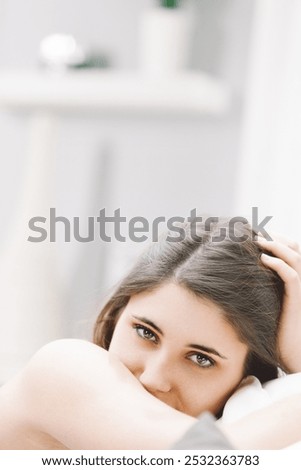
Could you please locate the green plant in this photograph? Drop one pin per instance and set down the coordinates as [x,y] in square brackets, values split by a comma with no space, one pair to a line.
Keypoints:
[169,3]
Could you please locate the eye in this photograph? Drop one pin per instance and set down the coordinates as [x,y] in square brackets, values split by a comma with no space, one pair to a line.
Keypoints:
[201,360]
[145,333]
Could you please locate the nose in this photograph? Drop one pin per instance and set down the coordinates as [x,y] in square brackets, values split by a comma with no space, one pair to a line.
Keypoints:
[155,375]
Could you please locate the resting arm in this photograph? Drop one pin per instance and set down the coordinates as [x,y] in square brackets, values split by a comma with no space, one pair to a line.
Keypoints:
[77,393]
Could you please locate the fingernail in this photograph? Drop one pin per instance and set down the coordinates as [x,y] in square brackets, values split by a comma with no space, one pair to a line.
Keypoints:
[261,240]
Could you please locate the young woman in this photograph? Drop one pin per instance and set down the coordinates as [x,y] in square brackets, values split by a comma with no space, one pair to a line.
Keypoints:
[192,318]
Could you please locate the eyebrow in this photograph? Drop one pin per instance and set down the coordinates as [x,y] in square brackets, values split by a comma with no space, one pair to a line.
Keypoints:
[200,347]
[207,349]
[150,323]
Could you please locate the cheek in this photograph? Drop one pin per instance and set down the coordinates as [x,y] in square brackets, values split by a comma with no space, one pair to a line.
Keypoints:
[210,393]
[223,391]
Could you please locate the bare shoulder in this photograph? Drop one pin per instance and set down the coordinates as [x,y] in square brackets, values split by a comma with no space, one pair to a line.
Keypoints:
[65,355]
[64,368]
[71,382]
[70,360]
[55,375]
[38,404]
[68,351]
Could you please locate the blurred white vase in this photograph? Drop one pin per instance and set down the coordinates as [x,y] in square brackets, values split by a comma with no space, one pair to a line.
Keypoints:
[163,40]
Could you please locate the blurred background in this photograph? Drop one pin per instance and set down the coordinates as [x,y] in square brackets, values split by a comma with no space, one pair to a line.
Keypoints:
[155,108]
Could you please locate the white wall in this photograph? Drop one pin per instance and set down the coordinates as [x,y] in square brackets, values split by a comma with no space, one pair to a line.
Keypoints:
[149,166]
[271,145]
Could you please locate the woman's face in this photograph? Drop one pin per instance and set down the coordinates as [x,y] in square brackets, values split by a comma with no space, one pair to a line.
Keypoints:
[180,348]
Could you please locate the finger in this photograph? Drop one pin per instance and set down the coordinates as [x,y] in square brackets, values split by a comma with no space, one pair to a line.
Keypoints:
[287,254]
[282,239]
[286,272]
[286,241]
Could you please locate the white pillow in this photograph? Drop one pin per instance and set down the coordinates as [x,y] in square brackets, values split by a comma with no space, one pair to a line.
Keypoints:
[252,395]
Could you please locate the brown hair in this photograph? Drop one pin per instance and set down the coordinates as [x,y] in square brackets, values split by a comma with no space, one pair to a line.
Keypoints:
[224,269]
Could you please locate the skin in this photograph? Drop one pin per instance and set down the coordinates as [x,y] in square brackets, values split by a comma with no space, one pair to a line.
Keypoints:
[156,338]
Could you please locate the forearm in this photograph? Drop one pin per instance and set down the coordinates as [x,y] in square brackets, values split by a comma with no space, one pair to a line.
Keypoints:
[291,353]
[286,262]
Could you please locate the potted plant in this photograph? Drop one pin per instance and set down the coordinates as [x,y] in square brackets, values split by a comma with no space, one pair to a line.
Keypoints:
[164,38]
[169,3]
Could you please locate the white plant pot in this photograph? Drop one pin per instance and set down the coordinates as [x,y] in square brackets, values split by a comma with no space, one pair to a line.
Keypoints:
[163,40]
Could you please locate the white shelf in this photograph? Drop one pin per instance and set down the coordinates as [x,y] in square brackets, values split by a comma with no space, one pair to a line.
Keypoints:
[98,91]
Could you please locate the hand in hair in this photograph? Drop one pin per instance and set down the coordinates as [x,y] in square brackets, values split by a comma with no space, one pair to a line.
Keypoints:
[286,261]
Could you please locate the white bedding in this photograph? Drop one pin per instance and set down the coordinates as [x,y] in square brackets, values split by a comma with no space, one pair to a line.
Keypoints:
[252,395]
